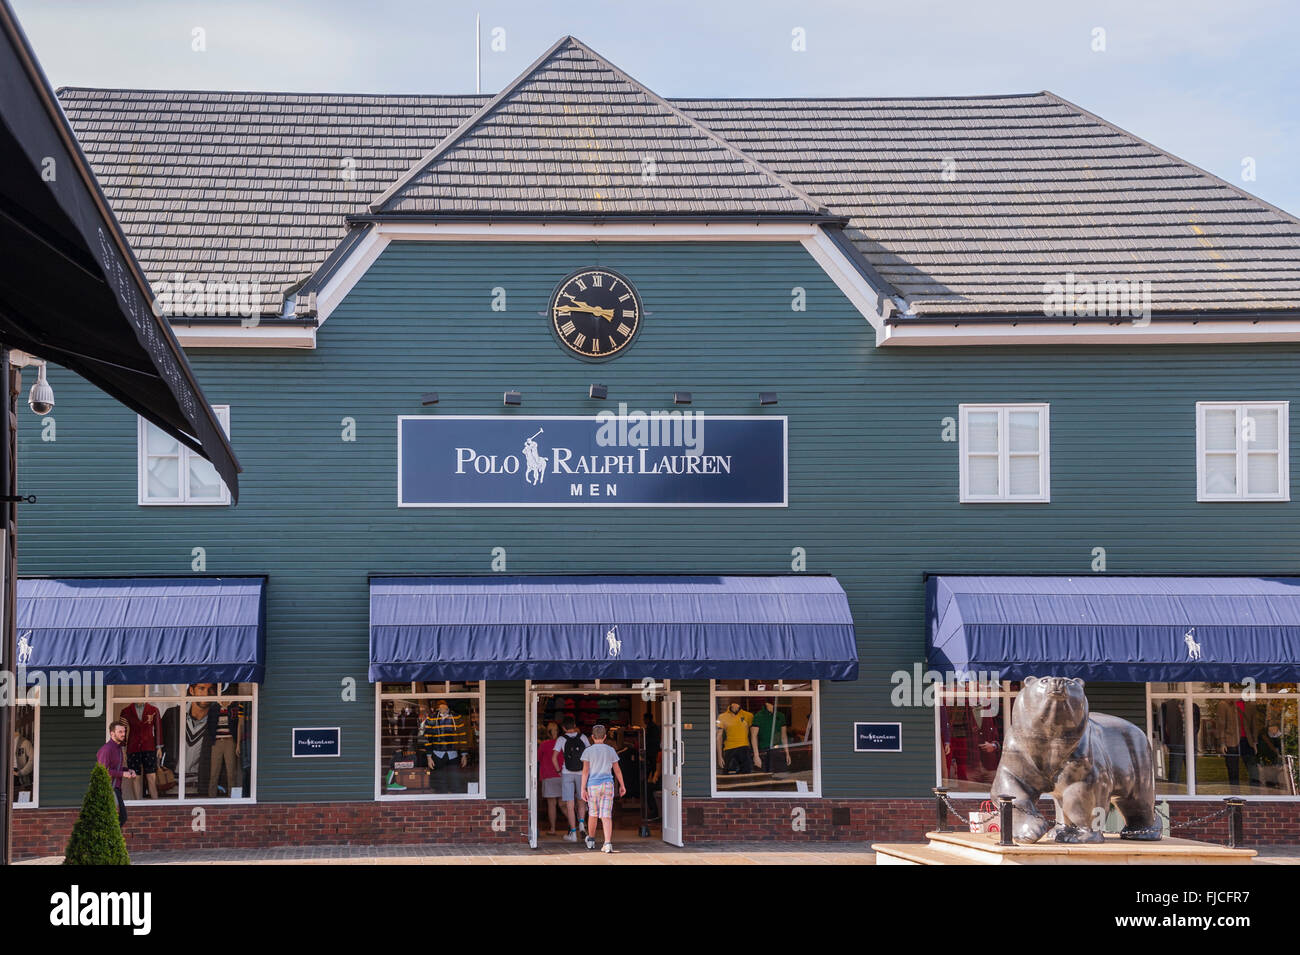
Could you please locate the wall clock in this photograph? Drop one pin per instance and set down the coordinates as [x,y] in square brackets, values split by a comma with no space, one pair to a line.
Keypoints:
[595,313]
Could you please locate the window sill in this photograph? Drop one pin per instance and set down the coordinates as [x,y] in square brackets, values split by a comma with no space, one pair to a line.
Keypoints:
[204,801]
[183,503]
[1253,499]
[428,797]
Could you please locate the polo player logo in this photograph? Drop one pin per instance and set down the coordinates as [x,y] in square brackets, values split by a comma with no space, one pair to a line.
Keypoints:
[536,472]
[1193,648]
[24,649]
[615,644]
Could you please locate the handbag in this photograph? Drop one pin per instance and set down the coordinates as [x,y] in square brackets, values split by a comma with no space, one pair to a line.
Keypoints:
[986,820]
[166,778]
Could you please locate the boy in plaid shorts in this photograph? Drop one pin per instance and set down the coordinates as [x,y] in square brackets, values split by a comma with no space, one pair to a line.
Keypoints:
[599,770]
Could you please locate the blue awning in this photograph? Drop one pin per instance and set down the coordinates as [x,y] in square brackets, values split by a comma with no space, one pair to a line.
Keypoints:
[570,628]
[147,629]
[1143,629]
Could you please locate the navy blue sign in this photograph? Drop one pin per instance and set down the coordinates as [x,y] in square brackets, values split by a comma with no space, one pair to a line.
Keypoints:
[877,737]
[662,459]
[317,741]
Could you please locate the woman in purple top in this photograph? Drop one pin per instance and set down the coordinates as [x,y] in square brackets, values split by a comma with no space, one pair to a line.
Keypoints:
[111,758]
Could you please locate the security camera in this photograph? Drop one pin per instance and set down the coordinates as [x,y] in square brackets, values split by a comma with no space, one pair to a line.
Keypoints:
[41,397]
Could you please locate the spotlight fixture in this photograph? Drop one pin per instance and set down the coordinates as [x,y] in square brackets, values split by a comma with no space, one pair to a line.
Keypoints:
[513,399]
[429,398]
[767,397]
[597,391]
[681,397]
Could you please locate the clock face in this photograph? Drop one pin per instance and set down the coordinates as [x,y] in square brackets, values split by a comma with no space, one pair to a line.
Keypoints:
[595,313]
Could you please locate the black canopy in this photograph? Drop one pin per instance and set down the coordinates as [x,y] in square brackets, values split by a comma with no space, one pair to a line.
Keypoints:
[71,290]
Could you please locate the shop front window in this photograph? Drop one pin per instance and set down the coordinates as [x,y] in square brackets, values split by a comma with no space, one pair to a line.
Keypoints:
[188,742]
[26,740]
[972,724]
[765,737]
[429,740]
[1244,739]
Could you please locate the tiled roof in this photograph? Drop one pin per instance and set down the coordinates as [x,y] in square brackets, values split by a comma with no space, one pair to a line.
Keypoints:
[576,135]
[971,204]
[963,205]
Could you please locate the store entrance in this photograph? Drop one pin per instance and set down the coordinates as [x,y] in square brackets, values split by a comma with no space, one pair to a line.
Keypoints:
[642,725]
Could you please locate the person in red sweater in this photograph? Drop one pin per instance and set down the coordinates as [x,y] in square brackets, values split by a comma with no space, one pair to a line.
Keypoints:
[111,758]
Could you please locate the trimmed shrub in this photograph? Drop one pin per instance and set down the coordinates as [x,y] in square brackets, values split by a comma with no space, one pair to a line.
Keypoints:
[97,837]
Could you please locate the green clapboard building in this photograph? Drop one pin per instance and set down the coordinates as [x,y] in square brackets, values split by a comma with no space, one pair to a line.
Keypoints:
[783,438]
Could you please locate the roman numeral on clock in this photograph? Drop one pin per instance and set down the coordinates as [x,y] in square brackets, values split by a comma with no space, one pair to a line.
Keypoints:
[567,329]
[578,340]
[623,330]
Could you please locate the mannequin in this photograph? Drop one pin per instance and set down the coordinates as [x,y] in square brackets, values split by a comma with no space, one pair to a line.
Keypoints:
[144,742]
[768,732]
[224,730]
[443,738]
[736,750]
[196,748]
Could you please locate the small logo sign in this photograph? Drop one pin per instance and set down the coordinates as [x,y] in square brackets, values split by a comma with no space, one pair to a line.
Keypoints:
[612,640]
[536,471]
[317,741]
[877,737]
[1193,648]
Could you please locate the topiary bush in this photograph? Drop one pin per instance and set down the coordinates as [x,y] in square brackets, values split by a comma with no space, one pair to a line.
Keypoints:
[97,837]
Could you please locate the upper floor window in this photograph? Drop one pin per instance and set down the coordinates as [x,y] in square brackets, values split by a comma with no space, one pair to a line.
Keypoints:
[171,473]
[1004,453]
[1241,451]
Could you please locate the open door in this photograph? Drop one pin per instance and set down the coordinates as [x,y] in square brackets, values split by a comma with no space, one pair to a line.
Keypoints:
[530,760]
[672,768]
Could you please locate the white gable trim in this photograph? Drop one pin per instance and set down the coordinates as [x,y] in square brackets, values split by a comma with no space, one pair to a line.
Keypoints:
[238,336]
[1199,332]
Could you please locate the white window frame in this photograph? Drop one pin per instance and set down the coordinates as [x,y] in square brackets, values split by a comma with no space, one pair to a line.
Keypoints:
[32,699]
[445,694]
[1188,696]
[114,697]
[1243,452]
[1004,495]
[183,456]
[814,694]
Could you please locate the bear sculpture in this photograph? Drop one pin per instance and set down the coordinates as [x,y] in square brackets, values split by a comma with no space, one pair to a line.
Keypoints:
[1085,760]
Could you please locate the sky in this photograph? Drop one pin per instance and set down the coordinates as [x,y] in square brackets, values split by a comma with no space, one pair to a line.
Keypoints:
[1214,83]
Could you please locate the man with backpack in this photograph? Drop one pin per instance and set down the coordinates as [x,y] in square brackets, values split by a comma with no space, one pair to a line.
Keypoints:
[567,757]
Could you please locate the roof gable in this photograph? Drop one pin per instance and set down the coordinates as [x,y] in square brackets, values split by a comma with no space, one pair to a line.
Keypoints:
[574,135]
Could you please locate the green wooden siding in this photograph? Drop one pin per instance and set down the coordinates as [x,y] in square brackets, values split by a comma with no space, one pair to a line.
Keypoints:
[873,486]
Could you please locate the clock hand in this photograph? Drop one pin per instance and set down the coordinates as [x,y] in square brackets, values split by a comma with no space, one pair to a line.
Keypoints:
[605,313]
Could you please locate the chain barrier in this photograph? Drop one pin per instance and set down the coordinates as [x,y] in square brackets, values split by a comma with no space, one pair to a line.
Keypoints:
[952,808]
[1206,818]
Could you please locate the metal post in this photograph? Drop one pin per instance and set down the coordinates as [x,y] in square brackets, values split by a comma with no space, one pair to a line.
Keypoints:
[1004,820]
[1236,835]
[941,810]
[8,649]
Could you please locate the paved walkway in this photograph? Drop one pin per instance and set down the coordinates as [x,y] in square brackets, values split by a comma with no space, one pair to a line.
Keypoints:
[629,853]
